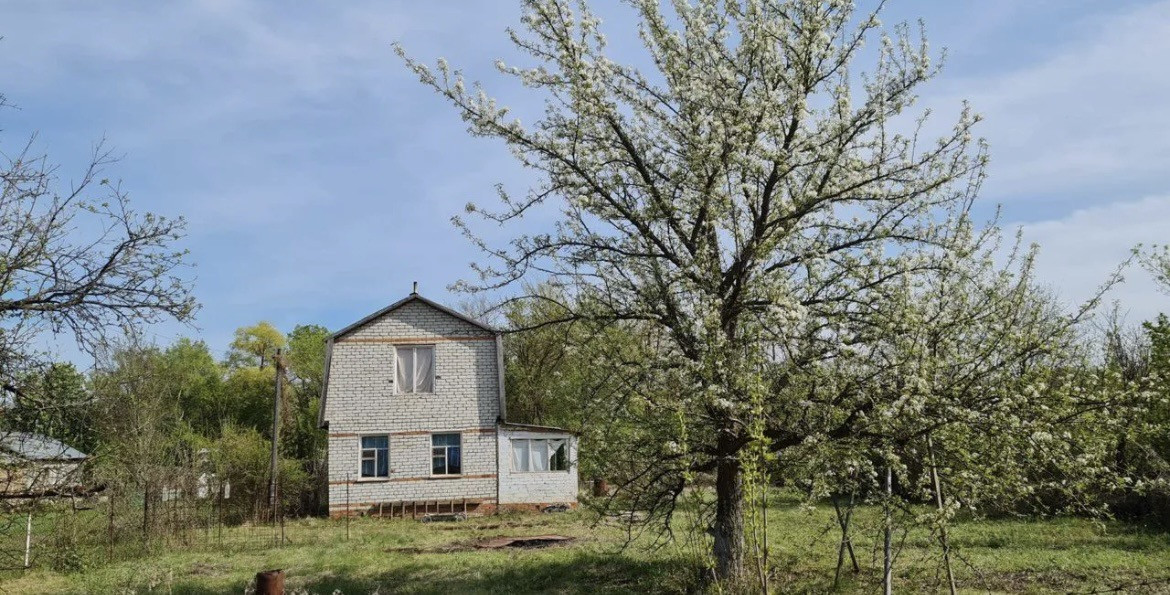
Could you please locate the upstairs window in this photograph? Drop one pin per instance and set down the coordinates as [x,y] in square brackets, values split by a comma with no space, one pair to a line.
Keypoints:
[534,455]
[375,456]
[415,369]
[446,455]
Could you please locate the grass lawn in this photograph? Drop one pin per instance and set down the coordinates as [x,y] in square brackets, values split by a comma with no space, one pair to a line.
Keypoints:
[402,556]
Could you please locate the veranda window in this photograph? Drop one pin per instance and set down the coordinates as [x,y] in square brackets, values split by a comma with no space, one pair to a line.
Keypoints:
[375,456]
[535,455]
[415,369]
[446,455]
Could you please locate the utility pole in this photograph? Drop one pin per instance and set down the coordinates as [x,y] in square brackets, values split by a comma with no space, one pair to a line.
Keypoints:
[272,471]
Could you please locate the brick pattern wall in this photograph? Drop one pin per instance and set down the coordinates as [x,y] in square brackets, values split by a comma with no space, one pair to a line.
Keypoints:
[362,400]
[548,487]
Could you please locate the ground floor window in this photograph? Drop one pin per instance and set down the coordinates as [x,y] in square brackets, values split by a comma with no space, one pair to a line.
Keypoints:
[375,456]
[543,454]
[446,455]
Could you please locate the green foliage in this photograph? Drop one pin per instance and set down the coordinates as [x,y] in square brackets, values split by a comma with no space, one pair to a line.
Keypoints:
[306,356]
[55,402]
[306,363]
[241,458]
[201,381]
[249,392]
[255,345]
[558,375]
[159,415]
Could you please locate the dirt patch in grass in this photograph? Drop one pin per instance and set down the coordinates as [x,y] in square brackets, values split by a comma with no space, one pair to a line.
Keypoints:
[493,543]
[533,542]
[488,527]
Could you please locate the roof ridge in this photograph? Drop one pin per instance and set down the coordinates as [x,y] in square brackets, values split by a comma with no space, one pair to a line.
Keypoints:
[404,301]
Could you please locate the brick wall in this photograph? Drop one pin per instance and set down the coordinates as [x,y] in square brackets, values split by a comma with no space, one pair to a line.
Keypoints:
[361,400]
[547,487]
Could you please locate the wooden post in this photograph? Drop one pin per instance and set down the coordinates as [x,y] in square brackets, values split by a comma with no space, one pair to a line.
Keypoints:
[888,562]
[110,531]
[275,462]
[146,515]
[270,582]
[942,530]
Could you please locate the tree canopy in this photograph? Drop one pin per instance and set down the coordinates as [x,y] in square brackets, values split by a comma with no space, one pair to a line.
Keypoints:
[762,208]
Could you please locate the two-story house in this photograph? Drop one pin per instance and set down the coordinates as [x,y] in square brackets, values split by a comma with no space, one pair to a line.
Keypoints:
[414,405]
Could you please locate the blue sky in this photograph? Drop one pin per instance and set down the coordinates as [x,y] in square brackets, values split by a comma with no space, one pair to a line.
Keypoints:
[319,177]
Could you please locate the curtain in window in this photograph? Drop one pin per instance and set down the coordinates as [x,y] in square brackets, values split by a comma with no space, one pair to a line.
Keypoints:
[520,455]
[424,358]
[454,460]
[404,379]
[557,461]
[540,455]
[383,463]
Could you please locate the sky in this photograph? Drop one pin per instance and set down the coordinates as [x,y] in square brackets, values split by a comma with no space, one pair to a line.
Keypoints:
[318,177]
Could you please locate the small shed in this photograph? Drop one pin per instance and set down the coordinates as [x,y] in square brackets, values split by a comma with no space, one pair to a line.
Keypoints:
[36,464]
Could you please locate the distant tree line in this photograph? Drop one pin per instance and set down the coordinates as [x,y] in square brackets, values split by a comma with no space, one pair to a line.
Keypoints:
[147,409]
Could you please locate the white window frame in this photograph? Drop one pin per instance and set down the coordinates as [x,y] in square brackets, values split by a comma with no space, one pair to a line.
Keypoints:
[568,450]
[446,460]
[361,457]
[398,389]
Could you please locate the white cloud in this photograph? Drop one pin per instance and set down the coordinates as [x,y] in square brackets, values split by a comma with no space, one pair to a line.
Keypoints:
[314,168]
[1092,117]
[1078,252]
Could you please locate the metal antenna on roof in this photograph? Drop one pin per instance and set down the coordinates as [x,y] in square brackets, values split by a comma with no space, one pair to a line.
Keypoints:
[414,291]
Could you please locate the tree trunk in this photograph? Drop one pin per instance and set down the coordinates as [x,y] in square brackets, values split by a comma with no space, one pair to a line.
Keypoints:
[729,517]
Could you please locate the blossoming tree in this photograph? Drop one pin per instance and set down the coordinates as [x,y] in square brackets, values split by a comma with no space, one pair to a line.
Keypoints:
[739,201]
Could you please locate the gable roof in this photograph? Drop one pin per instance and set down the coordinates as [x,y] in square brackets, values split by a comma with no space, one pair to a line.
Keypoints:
[35,447]
[414,297]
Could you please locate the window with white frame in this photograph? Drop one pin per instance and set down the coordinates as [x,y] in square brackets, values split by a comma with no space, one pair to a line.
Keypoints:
[540,454]
[375,456]
[446,454]
[415,369]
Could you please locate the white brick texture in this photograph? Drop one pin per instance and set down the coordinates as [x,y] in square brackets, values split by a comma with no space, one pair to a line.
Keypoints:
[362,400]
[536,487]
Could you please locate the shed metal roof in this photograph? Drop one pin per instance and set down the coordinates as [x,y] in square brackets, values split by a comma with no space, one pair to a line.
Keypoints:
[36,447]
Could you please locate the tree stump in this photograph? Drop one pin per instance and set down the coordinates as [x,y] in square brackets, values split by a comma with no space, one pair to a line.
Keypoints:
[270,582]
[600,487]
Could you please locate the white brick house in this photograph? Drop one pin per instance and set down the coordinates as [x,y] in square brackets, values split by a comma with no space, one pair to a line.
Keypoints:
[414,405]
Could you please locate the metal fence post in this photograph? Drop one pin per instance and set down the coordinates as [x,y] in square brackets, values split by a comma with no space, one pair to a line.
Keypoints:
[28,538]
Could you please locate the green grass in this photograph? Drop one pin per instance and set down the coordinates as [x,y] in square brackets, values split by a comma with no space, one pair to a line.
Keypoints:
[403,556]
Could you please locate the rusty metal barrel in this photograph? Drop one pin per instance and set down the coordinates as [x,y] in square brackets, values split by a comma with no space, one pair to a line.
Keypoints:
[270,582]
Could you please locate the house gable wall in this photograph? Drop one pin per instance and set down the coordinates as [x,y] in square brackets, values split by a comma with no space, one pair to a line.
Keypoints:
[361,400]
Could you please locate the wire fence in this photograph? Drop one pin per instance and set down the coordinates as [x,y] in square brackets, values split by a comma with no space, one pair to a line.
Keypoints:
[74,529]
